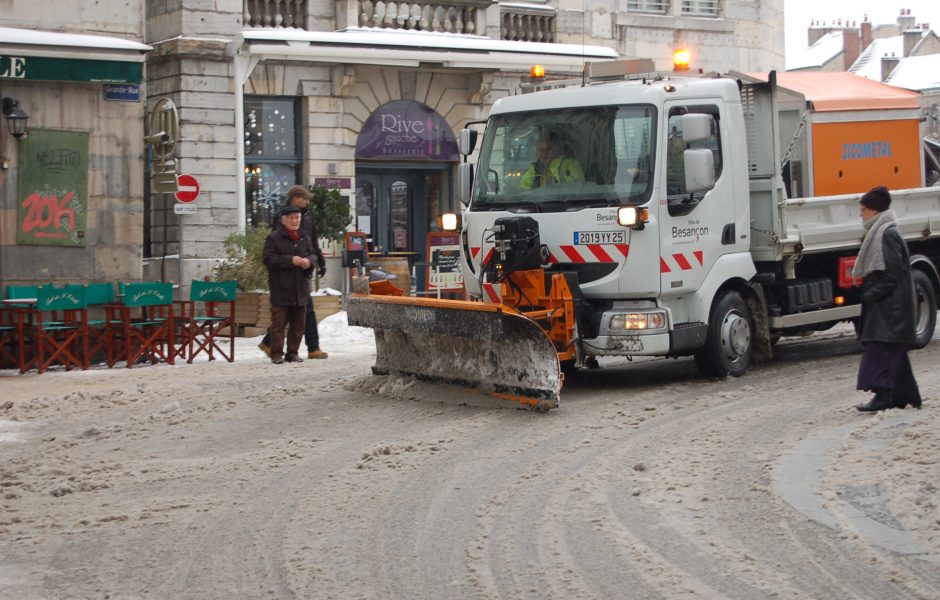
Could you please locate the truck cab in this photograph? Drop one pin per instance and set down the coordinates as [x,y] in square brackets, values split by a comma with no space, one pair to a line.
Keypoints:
[672,150]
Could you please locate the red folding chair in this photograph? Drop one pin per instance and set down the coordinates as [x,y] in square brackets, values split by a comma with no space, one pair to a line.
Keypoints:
[58,328]
[15,346]
[141,325]
[97,297]
[211,316]
[11,333]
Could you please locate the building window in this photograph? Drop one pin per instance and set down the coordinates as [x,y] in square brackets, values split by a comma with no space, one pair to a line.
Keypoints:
[272,157]
[701,8]
[648,6]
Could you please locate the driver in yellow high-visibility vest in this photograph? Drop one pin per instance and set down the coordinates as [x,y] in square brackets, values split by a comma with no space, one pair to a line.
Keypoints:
[551,166]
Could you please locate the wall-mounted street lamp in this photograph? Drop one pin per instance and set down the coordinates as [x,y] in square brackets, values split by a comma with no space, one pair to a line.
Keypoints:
[16,118]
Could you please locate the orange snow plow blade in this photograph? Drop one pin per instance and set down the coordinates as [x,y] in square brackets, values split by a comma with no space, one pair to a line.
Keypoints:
[488,348]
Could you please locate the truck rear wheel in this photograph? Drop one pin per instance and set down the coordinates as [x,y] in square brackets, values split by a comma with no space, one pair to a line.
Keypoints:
[925,319]
[729,343]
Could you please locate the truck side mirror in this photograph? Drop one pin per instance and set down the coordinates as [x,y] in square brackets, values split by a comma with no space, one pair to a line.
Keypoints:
[464,181]
[697,127]
[699,170]
[468,141]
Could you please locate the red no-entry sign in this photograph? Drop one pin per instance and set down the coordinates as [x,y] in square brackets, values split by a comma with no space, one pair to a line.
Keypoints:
[187,188]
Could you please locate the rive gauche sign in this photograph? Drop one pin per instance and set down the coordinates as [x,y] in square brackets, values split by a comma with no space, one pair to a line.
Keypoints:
[406,130]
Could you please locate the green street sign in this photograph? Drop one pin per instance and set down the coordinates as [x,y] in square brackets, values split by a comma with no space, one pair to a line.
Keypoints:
[38,68]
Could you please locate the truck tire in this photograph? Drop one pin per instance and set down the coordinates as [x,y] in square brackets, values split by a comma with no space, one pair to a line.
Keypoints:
[729,343]
[925,319]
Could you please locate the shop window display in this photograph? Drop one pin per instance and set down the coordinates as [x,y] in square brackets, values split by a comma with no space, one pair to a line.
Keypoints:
[272,161]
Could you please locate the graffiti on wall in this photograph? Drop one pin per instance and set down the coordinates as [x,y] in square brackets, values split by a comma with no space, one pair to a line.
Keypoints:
[52,201]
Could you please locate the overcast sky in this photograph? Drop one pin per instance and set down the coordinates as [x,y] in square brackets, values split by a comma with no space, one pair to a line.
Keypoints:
[799,13]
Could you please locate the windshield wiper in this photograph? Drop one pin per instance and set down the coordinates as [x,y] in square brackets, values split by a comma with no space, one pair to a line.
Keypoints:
[526,206]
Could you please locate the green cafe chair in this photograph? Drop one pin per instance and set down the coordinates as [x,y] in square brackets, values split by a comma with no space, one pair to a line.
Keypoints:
[141,324]
[209,324]
[58,329]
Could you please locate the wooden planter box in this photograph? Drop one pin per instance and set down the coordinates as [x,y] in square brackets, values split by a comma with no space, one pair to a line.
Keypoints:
[253,311]
[325,306]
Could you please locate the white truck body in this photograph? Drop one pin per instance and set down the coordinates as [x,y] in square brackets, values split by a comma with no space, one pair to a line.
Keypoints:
[740,235]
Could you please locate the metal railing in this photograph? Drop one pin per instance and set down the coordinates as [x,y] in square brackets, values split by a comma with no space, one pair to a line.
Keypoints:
[701,8]
[648,6]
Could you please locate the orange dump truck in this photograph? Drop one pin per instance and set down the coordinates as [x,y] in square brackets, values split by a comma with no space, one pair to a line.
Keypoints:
[851,134]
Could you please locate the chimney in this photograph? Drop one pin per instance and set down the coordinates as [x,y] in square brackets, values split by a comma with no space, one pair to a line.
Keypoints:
[905,20]
[911,38]
[815,31]
[866,33]
[851,47]
[888,63]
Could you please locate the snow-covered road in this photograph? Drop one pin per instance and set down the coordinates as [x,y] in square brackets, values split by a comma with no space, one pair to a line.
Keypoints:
[249,480]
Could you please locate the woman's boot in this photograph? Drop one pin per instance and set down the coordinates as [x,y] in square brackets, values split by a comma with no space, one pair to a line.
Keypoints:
[881,401]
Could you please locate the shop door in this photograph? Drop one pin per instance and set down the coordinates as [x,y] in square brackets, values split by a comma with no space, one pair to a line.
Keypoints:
[385,211]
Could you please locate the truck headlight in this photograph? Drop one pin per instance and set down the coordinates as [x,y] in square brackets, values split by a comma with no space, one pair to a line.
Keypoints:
[627,216]
[638,321]
[631,216]
[449,222]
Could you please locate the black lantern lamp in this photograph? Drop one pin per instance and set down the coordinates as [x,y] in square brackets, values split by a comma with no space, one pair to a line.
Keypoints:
[16,117]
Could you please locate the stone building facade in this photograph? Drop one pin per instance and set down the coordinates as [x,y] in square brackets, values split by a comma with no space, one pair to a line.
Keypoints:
[366,96]
[338,72]
[71,190]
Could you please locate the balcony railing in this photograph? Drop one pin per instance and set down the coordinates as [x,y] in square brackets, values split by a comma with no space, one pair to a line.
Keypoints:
[275,13]
[527,23]
[452,17]
[518,21]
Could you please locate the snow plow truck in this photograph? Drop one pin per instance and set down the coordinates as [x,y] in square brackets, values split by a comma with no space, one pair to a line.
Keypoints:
[707,216]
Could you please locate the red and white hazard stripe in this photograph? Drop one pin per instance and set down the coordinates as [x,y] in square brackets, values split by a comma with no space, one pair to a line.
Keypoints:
[475,251]
[587,253]
[492,292]
[681,261]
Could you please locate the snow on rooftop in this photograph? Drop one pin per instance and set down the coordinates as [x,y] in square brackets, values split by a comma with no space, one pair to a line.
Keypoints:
[868,64]
[825,49]
[918,73]
[32,37]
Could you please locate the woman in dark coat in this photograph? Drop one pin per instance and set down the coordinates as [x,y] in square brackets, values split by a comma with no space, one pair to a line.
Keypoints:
[886,326]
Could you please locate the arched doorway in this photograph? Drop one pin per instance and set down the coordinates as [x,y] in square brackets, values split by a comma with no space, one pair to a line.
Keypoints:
[405,157]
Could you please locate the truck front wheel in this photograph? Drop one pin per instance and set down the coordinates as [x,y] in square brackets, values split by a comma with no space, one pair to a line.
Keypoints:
[925,319]
[729,343]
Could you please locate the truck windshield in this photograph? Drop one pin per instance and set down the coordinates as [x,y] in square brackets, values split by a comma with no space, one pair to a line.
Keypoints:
[566,159]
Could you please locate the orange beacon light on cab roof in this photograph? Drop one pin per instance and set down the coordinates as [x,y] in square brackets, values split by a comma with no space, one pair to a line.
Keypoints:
[681,59]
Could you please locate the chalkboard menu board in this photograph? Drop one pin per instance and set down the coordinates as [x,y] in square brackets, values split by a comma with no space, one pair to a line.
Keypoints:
[443,254]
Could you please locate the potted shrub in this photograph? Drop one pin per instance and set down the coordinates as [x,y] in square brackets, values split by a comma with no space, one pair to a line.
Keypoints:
[243,262]
[331,213]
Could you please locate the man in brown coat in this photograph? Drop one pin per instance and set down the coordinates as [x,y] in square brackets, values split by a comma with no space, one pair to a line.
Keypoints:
[298,196]
[290,259]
